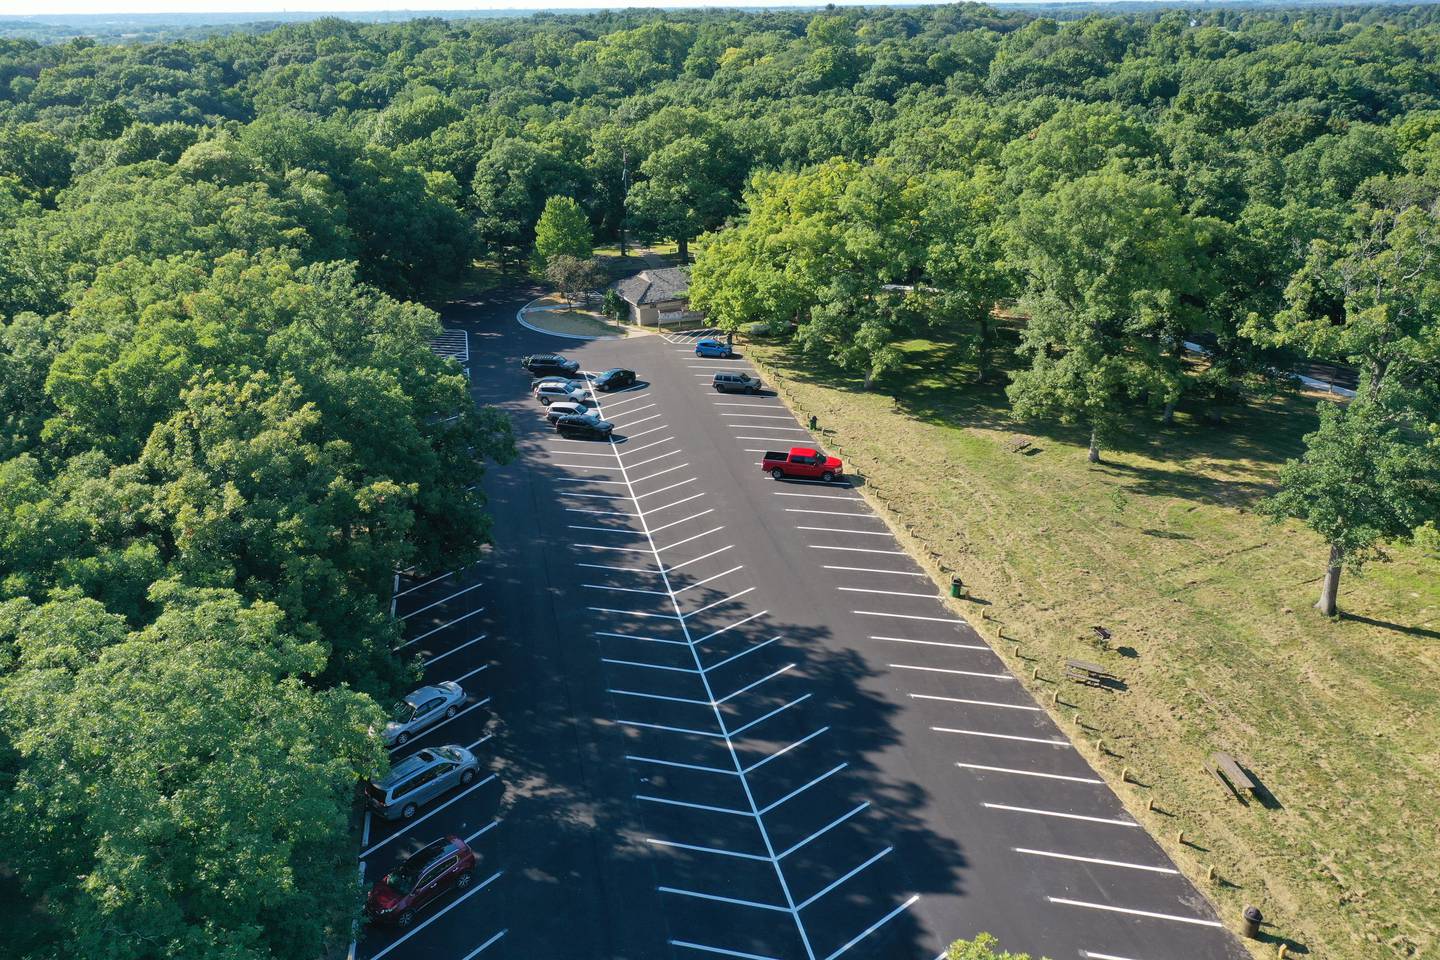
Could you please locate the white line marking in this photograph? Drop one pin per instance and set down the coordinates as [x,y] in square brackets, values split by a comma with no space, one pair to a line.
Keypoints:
[647,406]
[833,513]
[847,876]
[876,925]
[441,627]
[959,673]
[1102,956]
[719,950]
[602,566]
[935,643]
[579,466]
[408,825]
[483,830]
[668,729]
[863,533]
[661,473]
[678,543]
[677,503]
[751,686]
[664,456]
[811,496]
[732,597]
[759,416]
[905,616]
[652,493]
[438,914]
[703,556]
[649,666]
[1004,736]
[676,523]
[1136,913]
[701,583]
[748,403]
[653,416]
[799,790]
[888,553]
[657,696]
[485,945]
[442,656]
[580,526]
[784,441]
[627,452]
[632,613]
[716,897]
[644,433]
[888,593]
[1057,813]
[778,710]
[621,403]
[683,766]
[620,483]
[601,546]
[422,586]
[1028,773]
[784,750]
[695,806]
[723,853]
[590,496]
[977,703]
[598,513]
[1105,863]
[766,426]
[825,829]
[731,627]
[631,636]
[601,586]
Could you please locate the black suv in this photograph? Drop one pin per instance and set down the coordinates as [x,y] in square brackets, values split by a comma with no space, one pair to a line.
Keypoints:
[584,425]
[615,379]
[549,363]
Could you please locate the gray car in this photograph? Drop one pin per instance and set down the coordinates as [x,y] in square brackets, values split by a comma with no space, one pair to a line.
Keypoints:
[420,778]
[421,709]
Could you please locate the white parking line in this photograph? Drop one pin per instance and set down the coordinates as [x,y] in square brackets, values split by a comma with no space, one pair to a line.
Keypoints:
[1103,863]
[422,586]
[765,426]
[888,593]
[621,403]
[935,643]
[703,556]
[891,553]
[1102,956]
[833,513]
[579,453]
[633,613]
[620,483]
[682,766]
[1136,913]
[799,790]
[686,803]
[756,404]
[438,914]
[408,825]
[960,673]
[977,703]
[812,496]
[1057,813]
[429,730]
[877,925]
[606,566]
[841,880]
[579,466]
[643,433]
[1028,773]
[488,943]
[906,616]
[724,853]
[631,636]
[688,539]
[778,710]
[601,586]
[598,513]
[732,626]
[720,899]
[648,406]
[442,656]
[661,490]
[862,533]
[676,523]
[761,416]
[1048,741]
[784,441]
[599,546]
[589,496]
[701,583]
[730,599]
[633,533]
[667,454]
[824,830]
[736,656]
[653,416]
[676,503]
[654,443]
[660,473]
[441,627]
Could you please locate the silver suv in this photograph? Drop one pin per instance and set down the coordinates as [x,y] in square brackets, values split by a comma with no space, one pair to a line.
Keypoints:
[547,393]
[421,778]
[421,709]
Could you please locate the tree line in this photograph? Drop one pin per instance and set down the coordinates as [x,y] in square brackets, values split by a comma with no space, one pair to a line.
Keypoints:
[222,431]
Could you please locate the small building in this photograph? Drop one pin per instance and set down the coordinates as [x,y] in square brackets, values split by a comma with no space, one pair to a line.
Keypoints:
[657,296]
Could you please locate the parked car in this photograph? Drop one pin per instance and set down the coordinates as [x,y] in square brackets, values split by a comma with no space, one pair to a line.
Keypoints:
[421,709]
[548,393]
[573,382]
[736,383]
[803,463]
[543,363]
[564,408]
[615,379]
[584,425]
[710,347]
[419,778]
[434,869]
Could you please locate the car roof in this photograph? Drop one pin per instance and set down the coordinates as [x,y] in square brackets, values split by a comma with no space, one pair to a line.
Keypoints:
[707,340]
[411,764]
[803,451]
[417,697]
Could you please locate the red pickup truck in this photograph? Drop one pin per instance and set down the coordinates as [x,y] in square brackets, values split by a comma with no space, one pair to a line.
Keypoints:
[803,463]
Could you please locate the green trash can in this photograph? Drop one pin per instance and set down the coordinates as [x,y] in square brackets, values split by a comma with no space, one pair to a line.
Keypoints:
[957,588]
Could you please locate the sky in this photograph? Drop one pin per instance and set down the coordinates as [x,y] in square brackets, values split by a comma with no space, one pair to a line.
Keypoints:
[30,7]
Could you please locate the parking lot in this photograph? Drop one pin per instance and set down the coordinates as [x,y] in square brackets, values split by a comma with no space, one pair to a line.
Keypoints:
[732,717]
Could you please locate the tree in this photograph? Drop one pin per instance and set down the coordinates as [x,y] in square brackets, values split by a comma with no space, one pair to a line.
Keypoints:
[689,187]
[1365,479]
[983,947]
[573,277]
[562,230]
[1112,272]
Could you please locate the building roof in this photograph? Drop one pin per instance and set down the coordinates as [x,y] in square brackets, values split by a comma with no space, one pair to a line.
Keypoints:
[654,285]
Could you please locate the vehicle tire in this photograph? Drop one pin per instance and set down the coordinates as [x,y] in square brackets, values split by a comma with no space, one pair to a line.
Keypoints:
[777,473]
[403,739]
[450,713]
[828,476]
[464,880]
[749,391]
[467,778]
[406,918]
[407,812]
[544,401]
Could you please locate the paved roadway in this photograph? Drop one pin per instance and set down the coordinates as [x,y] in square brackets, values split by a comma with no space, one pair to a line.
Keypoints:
[732,718]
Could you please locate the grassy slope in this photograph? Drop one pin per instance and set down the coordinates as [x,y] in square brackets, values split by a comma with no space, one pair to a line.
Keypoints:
[1210,610]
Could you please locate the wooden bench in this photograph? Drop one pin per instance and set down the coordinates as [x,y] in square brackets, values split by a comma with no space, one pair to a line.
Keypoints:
[1224,768]
[1092,674]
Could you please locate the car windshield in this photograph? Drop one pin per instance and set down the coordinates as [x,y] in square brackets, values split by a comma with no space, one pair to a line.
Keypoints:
[402,878]
[403,712]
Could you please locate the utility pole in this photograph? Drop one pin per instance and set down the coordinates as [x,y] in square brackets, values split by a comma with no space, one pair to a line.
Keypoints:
[624,192]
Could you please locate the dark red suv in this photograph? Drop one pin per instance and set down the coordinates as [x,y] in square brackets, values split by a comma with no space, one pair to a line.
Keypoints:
[422,877]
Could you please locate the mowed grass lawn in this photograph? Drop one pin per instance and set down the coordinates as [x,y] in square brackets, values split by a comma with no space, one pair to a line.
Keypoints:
[1210,611]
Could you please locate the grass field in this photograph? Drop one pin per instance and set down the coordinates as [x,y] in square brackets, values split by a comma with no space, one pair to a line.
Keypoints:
[585,323]
[1209,607]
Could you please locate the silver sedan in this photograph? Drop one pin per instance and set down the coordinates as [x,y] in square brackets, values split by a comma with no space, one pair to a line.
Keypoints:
[421,709]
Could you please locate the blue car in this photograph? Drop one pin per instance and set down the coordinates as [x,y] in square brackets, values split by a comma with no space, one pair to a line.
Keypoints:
[712,348]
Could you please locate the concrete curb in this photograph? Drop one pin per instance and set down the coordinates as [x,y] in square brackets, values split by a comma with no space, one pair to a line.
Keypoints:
[520,319]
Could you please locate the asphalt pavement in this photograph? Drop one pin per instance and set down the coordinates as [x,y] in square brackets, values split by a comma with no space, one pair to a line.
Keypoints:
[727,716]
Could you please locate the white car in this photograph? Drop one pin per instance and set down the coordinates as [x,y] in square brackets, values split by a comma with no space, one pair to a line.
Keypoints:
[548,393]
[564,408]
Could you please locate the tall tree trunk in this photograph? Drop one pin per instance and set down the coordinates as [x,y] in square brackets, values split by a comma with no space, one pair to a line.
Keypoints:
[1330,588]
[869,378]
[1168,417]
[982,360]
[684,243]
[1094,455]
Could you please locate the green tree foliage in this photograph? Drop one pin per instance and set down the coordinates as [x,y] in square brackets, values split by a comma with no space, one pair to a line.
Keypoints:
[1112,268]
[983,947]
[563,230]
[573,277]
